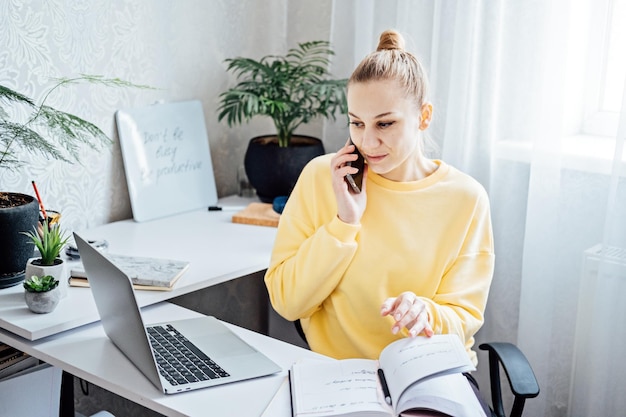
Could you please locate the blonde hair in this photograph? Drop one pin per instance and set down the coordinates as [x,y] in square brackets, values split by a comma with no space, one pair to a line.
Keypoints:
[390,62]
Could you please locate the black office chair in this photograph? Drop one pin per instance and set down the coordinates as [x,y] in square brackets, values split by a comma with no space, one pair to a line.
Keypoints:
[518,371]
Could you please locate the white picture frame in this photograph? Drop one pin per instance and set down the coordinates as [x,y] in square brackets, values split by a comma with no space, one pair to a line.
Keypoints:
[167,160]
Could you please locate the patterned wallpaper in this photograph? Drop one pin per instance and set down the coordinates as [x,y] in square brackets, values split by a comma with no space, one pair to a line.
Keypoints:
[178,47]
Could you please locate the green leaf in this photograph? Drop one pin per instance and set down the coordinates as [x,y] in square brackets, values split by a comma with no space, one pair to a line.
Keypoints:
[50,132]
[6,94]
[40,284]
[290,89]
[49,243]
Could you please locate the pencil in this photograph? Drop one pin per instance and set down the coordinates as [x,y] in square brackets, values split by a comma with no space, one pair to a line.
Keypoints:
[43,210]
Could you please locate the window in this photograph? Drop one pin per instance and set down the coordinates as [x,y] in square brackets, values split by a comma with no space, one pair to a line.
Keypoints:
[607,68]
[594,77]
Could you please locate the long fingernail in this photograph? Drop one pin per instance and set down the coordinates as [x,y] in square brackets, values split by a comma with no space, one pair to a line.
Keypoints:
[394,329]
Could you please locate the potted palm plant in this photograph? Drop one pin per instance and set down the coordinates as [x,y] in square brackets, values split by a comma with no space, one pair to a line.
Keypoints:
[41,293]
[45,131]
[292,90]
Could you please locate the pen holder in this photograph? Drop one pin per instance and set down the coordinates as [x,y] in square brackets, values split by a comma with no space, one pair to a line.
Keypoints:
[54,217]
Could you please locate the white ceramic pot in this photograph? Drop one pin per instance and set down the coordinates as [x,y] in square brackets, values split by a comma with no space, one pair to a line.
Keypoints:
[58,271]
[42,302]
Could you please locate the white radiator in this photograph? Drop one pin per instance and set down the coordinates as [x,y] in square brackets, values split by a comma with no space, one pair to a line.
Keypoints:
[598,384]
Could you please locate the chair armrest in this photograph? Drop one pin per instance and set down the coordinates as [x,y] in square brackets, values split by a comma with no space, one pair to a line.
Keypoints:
[518,371]
[300,330]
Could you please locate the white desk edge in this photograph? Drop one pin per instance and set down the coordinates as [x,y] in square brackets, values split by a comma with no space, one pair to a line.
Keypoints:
[211,239]
[87,353]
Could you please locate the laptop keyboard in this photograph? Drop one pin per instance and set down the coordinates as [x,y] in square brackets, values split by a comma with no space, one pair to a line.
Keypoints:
[179,360]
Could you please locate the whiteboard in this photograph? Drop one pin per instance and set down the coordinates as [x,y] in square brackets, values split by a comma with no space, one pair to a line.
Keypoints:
[167,160]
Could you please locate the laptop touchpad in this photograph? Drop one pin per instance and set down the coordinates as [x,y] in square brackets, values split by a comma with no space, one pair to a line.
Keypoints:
[213,337]
[223,344]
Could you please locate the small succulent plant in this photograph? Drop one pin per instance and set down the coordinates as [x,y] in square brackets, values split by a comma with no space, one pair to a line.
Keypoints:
[49,240]
[40,284]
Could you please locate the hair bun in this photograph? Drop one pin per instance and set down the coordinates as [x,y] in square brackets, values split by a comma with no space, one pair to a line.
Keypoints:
[389,40]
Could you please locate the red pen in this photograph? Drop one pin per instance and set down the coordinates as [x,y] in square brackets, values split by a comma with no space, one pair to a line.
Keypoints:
[43,210]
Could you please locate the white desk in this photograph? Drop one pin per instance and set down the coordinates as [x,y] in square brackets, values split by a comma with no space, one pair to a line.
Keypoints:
[87,353]
[218,250]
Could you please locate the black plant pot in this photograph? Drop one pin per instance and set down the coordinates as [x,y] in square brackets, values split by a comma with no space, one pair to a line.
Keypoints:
[272,170]
[16,248]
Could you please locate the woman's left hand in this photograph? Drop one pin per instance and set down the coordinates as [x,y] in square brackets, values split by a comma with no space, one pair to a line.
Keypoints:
[409,311]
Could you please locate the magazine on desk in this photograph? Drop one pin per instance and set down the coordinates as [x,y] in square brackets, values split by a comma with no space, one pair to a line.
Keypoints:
[156,274]
[413,376]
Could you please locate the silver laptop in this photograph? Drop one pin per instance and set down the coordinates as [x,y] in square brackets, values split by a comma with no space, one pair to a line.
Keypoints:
[207,353]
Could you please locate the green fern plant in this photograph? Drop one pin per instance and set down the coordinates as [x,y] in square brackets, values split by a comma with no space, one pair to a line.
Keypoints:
[40,284]
[291,89]
[48,131]
[50,240]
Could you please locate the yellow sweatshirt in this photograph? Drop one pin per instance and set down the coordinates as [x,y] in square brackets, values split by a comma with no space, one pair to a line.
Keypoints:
[431,236]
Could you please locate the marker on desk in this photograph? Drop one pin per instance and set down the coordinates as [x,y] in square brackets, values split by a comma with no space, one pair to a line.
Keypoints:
[225,208]
[383,384]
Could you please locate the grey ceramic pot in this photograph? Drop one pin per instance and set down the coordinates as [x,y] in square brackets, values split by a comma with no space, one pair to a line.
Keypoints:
[42,302]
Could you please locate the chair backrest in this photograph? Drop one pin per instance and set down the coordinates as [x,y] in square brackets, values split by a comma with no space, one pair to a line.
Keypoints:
[298,326]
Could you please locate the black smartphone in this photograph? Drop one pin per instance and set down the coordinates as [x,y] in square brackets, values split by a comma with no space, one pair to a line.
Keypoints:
[356,181]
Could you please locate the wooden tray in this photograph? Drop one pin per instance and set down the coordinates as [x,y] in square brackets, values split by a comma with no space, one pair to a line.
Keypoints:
[260,214]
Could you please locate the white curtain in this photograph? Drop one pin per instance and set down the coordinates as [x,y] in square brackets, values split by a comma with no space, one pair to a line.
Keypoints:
[508,83]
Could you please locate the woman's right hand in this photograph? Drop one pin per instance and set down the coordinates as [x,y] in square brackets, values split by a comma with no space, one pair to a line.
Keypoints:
[409,311]
[350,205]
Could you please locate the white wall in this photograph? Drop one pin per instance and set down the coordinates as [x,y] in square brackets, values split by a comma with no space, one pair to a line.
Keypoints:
[178,47]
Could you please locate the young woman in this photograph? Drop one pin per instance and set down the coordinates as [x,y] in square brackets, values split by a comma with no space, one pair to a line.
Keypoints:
[411,254]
